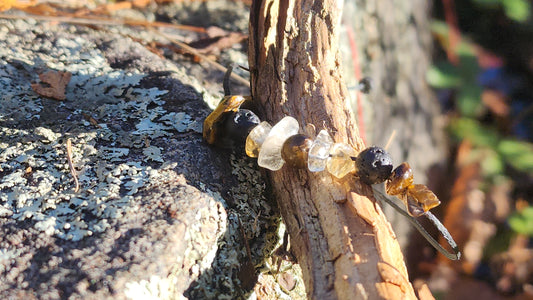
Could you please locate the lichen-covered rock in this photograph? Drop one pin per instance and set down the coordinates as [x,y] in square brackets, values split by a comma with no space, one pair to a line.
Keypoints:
[159,214]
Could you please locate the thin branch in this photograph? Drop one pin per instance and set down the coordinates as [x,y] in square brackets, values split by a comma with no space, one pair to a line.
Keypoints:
[71,166]
[102,21]
[193,51]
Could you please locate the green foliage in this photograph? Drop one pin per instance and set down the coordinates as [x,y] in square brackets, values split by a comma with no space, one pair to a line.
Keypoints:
[469,100]
[461,77]
[444,75]
[522,222]
[467,128]
[491,149]
[518,154]
[517,10]
[497,150]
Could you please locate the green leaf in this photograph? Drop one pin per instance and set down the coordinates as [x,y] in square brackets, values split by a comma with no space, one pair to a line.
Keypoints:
[517,10]
[469,101]
[443,75]
[492,164]
[522,222]
[518,154]
[466,128]
[439,27]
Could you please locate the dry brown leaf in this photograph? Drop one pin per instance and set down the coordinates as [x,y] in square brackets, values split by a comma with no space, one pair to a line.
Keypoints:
[213,45]
[140,3]
[18,4]
[496,102]
[54,85]
[111,7]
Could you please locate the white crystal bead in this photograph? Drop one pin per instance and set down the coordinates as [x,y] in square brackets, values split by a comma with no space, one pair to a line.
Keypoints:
[270,153]
[319,152]
[256,138]
[340,161]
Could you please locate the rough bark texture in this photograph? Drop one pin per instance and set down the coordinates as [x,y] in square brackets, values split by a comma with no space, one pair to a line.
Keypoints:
[393,41]
[347,249]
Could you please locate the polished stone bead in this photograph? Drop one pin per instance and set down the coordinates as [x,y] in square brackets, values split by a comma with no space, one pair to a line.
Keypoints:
[414,208]
[423,195]
[212,123]
[235,127]
[295,150]
[270,153]
[374,165]
[340,162]
[319,152]
[400,179]
[240,124]
[256,138]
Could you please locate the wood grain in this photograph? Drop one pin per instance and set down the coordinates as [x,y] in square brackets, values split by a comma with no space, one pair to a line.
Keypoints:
[343,242]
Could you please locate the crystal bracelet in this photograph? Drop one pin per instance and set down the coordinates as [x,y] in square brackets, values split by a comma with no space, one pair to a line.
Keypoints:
[229,126]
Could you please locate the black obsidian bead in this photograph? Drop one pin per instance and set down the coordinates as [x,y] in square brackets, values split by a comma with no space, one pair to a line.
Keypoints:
[374,165]
[236,125]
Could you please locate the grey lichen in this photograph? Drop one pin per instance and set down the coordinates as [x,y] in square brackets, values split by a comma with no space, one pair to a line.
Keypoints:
[153,217]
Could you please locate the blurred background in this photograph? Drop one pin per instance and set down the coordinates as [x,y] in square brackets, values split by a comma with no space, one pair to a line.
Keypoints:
[452,92]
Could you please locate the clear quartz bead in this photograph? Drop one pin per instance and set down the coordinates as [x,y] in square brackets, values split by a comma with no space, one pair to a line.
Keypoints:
[270,153]
[340,161]
[256,138]
[319,152]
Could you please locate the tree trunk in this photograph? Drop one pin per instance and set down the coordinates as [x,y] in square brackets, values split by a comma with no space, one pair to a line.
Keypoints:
[343,242]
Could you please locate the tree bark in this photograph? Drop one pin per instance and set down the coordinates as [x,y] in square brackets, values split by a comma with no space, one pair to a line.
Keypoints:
[343,242]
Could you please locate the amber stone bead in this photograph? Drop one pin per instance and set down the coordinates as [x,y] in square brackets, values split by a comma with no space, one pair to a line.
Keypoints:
[414,208]
[373,165]
[399,180]
[212,124]
[295,150]
[423,195]
[256,138]
[340,162]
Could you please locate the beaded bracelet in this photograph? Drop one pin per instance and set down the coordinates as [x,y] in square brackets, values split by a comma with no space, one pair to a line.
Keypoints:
[229,126]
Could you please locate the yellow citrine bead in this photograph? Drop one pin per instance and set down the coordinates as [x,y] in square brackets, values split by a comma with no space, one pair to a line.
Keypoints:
[256,138]
[340,162]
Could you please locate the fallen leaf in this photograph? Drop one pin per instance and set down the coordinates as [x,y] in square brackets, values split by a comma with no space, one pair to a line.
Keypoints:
[213,45]
[8,4]
[112,7]
[53,84]
[496,102]
[140,3]
[286,281]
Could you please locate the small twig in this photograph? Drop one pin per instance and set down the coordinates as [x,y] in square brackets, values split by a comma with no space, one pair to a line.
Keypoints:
[391,138]
[226,83]
[456,255]
[71,166]
[193,51]
[102,21]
